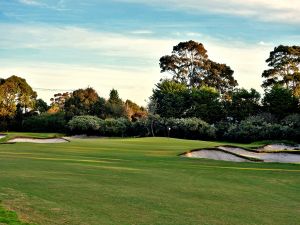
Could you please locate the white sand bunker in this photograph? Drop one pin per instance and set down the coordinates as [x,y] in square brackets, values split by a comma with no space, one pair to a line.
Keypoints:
[236,154]
[278,147]
[2,136]
[36,140]
[215,154]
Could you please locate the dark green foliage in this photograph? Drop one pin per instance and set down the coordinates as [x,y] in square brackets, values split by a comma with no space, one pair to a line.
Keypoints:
[190,65]
[243,104]
[177,100]
[115,127]
[280,102]
[204,103]
[114,107]
[285,63]
[256,128]
[113,110]
[114,97]
[45,123]
[293,122]
[189,128]
[170,98]
[82,102]
[41,106]
[84,125]
[98,108]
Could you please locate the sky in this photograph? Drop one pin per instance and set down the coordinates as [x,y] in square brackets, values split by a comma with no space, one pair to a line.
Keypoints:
[63,45]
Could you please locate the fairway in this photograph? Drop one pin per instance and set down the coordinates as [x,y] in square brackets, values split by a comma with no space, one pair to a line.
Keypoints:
[143,181]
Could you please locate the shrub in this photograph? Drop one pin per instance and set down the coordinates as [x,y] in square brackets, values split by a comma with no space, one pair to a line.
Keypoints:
[84,125]
[293,122]
[115,127]
[190,128]
[257,128]
[45,123]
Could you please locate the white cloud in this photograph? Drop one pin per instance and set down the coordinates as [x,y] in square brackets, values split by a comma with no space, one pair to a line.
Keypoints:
[30,2]
[133,81]
[266,43]
[286,11]
[193,34]
[49,37]
[58,6]
[142,32]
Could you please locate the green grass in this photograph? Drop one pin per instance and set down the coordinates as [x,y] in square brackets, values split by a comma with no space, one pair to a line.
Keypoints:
[12,135]
[9,217]
[143,182]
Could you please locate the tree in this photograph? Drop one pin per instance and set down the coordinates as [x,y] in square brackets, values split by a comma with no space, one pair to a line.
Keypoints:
[58,102]
[98,108]
[41,106]
[114,107]
[243,104]
[170,98]
[280,101]
[204,103]
[114,97]
[177,100]
[15,93]
[190,65]
[82,102]
[134,111]
[285,63]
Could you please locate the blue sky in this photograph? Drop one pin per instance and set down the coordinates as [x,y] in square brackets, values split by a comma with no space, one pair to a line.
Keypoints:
[64,44]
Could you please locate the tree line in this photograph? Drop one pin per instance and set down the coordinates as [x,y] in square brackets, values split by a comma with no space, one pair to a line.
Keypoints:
[200,99]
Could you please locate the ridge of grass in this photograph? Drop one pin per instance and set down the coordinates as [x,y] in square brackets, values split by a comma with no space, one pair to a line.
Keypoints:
[12,135]
[10,218]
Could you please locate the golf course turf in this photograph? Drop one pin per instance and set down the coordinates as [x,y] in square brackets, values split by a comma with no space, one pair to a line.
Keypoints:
[142,181]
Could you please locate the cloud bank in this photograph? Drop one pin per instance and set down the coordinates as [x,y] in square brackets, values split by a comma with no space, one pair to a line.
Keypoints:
[283,11]
[126,62]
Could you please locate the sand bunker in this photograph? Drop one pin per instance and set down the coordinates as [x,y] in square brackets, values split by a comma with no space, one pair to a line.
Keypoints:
[40,141]
[215,154]
[2,136]
[236,154]
[278,147]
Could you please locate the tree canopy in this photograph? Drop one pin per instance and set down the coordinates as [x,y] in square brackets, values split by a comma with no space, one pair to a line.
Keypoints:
[280,101]
[15,93]
[285,68]
[82,102]
[189,64]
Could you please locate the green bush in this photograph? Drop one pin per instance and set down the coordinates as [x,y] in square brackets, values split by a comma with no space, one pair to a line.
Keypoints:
[45,123]
[257,128]
[293,122]
[84,125]
[115,127]
[190,128]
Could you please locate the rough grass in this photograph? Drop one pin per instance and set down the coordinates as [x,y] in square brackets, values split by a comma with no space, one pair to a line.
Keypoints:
[143,181]
[10,218]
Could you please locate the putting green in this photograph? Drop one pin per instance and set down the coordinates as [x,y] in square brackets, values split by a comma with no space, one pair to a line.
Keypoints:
[143,181]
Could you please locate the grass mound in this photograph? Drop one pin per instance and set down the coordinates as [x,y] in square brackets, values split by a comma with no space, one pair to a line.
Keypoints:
[10,218]
[12,135]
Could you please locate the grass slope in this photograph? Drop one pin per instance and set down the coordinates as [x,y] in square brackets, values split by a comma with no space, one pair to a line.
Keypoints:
[10,218]
[143,181]
[12,135]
